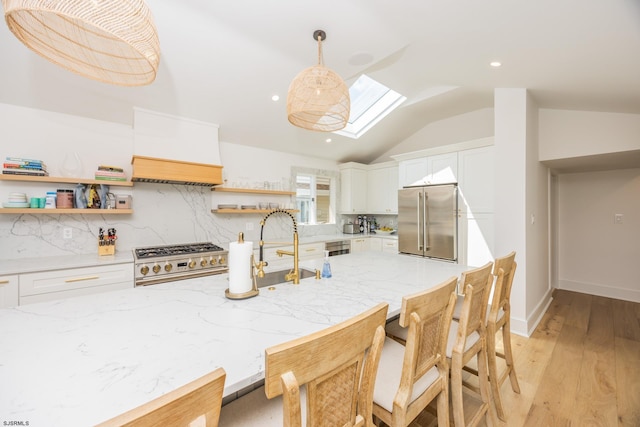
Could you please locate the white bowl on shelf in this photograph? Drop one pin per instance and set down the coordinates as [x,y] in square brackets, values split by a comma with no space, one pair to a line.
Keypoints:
[15,205]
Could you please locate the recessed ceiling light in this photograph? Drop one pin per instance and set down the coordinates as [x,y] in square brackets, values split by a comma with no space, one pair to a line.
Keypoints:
[275,98]
[328,140]
[495,64]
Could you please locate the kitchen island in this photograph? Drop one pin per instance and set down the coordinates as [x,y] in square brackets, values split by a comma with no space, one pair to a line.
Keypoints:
[80,361]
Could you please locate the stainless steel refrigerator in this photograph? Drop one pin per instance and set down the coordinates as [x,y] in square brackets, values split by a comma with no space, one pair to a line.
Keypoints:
[428,221]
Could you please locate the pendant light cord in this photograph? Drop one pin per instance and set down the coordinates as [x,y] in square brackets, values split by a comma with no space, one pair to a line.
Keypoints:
[320,50]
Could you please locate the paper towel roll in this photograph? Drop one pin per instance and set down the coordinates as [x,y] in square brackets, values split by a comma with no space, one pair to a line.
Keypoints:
[240,280]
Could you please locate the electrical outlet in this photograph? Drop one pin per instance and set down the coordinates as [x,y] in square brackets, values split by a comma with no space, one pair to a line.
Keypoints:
[67,233]
[617,218]
[248,226]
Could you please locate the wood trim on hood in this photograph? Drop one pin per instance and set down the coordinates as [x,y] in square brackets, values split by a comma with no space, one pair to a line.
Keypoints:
[150,169]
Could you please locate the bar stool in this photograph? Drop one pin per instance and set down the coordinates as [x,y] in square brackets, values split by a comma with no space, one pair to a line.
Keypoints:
[412,376]
[325,378]
[467,340]
[499,318]
[196,404]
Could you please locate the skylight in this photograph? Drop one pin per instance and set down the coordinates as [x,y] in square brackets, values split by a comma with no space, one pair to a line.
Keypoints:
[371,101]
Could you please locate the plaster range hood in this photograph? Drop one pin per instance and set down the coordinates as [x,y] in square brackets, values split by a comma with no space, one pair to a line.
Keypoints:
[165,171]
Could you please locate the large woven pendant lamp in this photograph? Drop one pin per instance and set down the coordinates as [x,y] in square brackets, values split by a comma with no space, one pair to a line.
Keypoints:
[318,98]
[112,41]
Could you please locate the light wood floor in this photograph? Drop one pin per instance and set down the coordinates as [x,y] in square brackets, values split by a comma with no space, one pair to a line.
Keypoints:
[581,366]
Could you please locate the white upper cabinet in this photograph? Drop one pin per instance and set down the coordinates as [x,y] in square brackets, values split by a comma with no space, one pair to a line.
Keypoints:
[437,169]
[353,188]
[476,180]
[382,189]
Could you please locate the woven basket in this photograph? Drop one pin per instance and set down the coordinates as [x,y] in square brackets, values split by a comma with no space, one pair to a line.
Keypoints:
[112,41]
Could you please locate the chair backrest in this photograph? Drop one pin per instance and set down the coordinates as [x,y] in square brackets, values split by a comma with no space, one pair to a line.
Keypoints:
[504,269]
[195,404]
[428,315]
[338,365]
[477,285]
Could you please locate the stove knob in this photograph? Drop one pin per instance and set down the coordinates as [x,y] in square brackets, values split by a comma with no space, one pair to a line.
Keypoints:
[213,261]
[192,263]
[156,268]
[144,270]
[168,267]
[222,260]
[203,262]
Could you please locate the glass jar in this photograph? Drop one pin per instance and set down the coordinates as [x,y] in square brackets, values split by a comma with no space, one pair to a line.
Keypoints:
[64,199]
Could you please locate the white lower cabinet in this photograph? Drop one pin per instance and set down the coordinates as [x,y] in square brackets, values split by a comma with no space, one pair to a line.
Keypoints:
[56,284]
[360,244]
[390,246]
[9,291]
[375,244]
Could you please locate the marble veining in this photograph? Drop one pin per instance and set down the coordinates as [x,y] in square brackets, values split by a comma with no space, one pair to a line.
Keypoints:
[79,361]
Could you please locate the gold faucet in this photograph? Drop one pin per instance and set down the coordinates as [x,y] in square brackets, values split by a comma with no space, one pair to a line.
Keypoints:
[293,275]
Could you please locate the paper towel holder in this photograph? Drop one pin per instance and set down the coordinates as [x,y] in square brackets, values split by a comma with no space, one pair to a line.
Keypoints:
[254,291]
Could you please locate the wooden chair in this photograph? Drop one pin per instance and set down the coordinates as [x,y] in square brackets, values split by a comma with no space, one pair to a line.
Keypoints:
[467,340]
[499,319]
[333,370]
[410,377]
[196,404]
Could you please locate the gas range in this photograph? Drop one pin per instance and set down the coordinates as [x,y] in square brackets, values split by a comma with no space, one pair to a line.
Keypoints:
[158,264]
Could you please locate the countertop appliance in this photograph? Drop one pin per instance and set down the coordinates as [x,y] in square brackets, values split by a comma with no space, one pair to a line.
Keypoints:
[428,221]
[338,247]
[351,228]
[158,264]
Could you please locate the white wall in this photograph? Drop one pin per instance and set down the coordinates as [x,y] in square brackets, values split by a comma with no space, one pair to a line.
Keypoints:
[520,193]
[464,127]
[537,223]
[510,192]
[567,133]
[163,213]
[597,256]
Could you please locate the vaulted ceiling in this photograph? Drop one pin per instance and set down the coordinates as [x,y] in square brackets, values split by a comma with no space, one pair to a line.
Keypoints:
[223,60]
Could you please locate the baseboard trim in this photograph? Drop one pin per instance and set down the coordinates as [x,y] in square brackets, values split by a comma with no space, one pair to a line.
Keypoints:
[525,327]
[632,295]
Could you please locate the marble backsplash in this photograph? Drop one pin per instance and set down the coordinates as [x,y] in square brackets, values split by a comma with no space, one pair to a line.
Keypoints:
[163,214]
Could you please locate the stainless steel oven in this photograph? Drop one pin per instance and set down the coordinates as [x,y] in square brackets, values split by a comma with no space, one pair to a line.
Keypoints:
[160,264]
[338,247]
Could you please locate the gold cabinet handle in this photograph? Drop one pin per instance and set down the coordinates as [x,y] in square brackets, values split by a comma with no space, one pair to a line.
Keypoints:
[3,282]
[81,279]
[310,250]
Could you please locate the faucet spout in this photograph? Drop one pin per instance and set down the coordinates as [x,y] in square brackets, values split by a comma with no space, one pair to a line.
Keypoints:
[294,275]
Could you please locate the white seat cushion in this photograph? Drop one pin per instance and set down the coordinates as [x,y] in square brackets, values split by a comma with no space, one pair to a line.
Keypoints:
[458,307]
[254,409]
[393,328]
[453,335]
[389,372]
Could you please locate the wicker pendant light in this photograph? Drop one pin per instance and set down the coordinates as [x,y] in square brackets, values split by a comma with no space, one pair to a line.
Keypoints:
[318,98]
[112,41]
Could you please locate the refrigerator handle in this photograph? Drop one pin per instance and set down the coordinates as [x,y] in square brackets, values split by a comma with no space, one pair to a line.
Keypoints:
[425,218]
[419,207]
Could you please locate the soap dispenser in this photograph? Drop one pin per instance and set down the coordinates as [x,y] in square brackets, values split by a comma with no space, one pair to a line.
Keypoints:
[326,267]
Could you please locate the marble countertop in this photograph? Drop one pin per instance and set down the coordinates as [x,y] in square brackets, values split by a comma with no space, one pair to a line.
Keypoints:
[82,360]
[31,265]
[61,262]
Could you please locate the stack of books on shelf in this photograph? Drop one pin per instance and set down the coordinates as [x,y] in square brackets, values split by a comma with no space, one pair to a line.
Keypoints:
[22,166]
[110,173]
